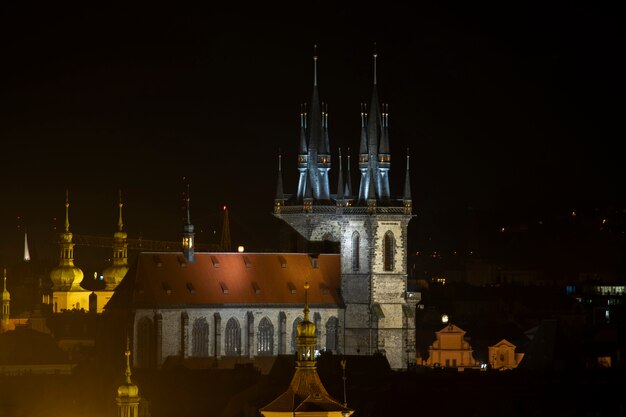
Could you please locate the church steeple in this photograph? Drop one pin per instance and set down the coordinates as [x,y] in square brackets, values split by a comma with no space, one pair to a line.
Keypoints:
[128,393]
[188,234]
[114,274]
[348,188]
[66,277]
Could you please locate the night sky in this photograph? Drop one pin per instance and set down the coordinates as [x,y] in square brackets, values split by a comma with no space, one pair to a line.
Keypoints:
[511,108]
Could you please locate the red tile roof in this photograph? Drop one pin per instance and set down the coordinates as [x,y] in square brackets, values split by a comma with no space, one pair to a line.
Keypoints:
[165,279]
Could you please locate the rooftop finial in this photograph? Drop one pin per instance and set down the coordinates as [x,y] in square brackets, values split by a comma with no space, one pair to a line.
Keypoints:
[127,354]
[375,56]
[120,223]
[187,199]
[315,65]
[5,279]
[306,301]
[67,210]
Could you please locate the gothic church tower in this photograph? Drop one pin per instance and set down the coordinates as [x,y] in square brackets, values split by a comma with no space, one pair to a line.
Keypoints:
[371,229]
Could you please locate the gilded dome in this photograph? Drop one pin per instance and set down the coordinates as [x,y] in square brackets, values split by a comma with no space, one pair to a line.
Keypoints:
[306,329]
[66,277]
[113,275]
[128,390]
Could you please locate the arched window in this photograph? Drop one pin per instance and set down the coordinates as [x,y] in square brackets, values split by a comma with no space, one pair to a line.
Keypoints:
[145,343]
[389,251]
[294,334]
[356,253]
[266,337]
[332,327]
[233,338]
[200,338]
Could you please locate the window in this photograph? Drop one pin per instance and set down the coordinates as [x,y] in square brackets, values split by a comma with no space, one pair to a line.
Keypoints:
[145,343]
[388,251]
[200,338]
[233,338]
[266,337]
[332,326]
[356,241]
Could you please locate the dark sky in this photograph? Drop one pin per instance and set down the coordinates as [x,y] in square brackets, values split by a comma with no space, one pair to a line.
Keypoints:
[504,107]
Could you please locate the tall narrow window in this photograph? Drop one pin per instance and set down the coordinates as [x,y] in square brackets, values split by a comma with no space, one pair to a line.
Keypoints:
[200,338]
[233,338]
[266,337]
[332,326]
[145,343]
[388,251]
[356,253]
[294,334]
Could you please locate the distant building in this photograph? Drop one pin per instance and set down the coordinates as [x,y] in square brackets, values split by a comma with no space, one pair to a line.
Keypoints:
[451,350]
[502,356]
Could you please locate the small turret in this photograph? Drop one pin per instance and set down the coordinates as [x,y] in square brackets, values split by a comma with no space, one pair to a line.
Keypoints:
[6,304]
[347,191]
[279,199]
[340,195]
[407,200]
[188,234]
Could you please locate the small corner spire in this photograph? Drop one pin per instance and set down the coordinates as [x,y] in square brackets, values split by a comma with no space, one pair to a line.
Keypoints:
[5,279]
[187,201]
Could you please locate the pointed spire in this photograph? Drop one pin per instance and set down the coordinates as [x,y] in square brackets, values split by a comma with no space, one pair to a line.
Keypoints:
[306,299]
[120,223]
[384,139]
[375,56]
[225,241]
[407,179]
[348,188]
[127,372]
[340,191]
[26,251]
[188,231]
[67,210]
[5,279]
[315,65]
[302,150]
[363,144]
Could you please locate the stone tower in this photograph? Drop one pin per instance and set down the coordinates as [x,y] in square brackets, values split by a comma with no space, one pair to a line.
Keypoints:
[371,229]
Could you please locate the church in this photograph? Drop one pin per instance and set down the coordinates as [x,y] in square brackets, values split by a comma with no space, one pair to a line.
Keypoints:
[201,304]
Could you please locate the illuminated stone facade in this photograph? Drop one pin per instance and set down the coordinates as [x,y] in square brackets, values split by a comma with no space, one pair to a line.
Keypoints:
[451,350]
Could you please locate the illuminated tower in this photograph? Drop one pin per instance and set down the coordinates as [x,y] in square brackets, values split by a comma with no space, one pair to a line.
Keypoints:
[6,304]
[279,199]
[114,274]
[371,229]
[306,395]
[127,393]
[67,294]
[188,234]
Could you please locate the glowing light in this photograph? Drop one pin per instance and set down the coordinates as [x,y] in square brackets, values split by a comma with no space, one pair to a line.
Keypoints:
[444,318]
[240,249]
[224,208]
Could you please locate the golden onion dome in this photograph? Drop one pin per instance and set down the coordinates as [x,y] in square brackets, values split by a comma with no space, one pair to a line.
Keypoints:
[306,329]
[113,275]
[120,234]
[66,277]
[127,390]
